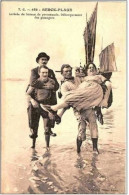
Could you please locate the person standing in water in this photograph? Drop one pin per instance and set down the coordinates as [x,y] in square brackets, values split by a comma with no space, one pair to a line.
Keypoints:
[87,115]
[33,106]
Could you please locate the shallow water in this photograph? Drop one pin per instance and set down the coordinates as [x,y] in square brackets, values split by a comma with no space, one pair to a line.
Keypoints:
[61,170]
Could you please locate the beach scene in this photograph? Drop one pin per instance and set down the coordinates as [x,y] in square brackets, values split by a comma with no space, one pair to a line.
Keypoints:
[60,170]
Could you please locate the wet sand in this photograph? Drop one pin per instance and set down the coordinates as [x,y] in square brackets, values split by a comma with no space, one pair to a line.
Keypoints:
[61,170]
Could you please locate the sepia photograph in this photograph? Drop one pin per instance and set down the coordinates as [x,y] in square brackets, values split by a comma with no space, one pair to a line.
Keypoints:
[63,103]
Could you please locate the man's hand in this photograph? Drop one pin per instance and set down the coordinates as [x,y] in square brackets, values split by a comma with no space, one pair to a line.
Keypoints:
[51,116]
[34,103]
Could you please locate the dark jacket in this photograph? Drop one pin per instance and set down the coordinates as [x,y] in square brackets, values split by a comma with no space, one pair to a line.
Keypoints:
[33,82]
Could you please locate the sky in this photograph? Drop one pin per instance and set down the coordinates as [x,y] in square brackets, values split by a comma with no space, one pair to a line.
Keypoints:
[24,37]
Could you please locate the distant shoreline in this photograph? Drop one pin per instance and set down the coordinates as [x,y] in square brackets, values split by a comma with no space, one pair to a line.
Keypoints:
[14,79]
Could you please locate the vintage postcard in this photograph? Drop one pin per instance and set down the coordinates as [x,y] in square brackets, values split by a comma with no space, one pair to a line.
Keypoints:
[63,72]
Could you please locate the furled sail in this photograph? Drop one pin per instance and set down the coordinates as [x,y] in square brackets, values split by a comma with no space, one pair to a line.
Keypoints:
[90,36]
[107,59]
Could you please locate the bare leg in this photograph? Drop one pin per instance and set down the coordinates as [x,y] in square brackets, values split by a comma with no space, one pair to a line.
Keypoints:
[81,129]
[46,128]
[48,132]
[60,113]
[47,139]
[93,129]
[79,143]
[33,136]
[33,116]
[33,142]
[59,106]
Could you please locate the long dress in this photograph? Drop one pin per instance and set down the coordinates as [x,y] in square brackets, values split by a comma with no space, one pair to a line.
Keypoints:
[88,94]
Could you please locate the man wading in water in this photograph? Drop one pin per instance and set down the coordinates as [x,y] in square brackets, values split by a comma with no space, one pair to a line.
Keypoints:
[33,108]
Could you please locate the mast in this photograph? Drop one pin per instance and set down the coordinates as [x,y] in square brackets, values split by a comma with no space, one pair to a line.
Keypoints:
[86,40]
[90,36]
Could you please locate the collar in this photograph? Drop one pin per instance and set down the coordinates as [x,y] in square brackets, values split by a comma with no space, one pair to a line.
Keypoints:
[70,80]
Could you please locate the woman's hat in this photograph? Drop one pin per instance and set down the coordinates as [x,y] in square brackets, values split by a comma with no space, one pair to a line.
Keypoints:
[42,55]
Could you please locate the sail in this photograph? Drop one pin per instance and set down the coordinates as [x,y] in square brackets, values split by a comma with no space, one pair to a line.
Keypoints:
[90,36]
[107,59]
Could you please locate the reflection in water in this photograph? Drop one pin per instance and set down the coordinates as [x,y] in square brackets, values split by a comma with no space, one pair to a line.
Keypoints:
[80,162]
[47,153]
[43,173]
[89,175]
[94,173]
[109,119]
[34,155]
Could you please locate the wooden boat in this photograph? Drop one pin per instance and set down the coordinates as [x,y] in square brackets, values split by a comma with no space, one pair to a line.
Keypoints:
[107,55]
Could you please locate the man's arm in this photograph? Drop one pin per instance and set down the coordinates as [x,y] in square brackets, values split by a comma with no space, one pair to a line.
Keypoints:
[64,89]
[50,84]
[29,97]
[51,74]
[40,84]
[34,76]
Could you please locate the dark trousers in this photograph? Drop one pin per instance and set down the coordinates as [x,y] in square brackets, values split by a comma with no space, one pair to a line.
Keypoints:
[33,119]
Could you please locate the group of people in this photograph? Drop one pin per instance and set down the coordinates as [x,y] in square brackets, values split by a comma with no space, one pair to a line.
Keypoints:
[84,93]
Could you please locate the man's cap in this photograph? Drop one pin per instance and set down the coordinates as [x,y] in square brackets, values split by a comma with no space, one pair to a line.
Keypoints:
[42,55]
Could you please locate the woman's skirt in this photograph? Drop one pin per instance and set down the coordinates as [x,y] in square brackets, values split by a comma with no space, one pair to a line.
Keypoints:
[87,95]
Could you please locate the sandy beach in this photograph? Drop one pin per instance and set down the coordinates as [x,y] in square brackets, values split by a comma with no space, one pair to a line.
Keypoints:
[61,170]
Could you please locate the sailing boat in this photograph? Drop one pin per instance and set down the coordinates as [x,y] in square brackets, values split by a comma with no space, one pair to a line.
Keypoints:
[107,55]
[90,36]
[107,61]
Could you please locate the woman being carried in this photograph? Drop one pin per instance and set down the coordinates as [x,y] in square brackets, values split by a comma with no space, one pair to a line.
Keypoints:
[88,94]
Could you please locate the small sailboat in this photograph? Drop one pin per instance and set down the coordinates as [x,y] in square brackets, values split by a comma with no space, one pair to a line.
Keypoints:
[107,61]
